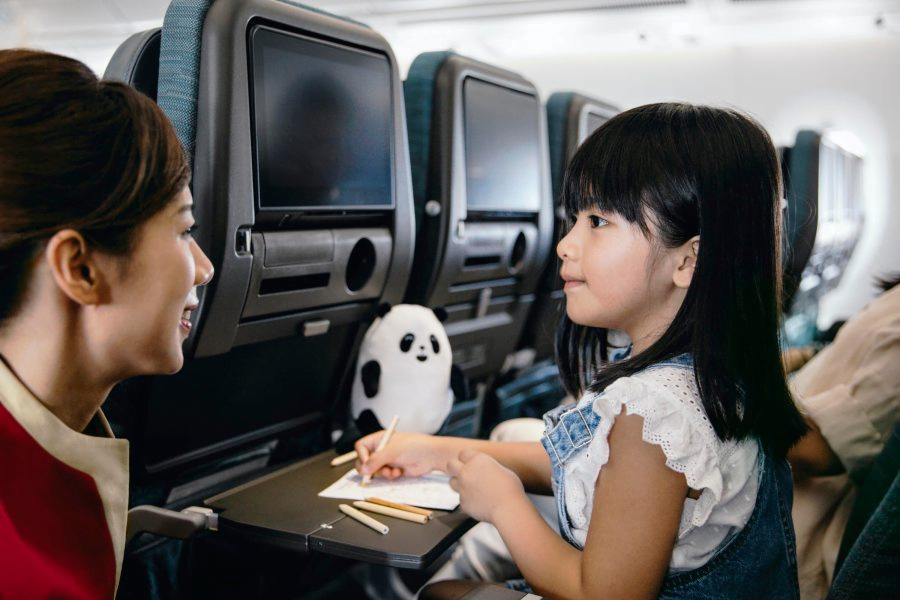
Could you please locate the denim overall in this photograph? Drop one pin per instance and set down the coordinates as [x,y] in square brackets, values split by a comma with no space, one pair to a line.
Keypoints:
[759,562]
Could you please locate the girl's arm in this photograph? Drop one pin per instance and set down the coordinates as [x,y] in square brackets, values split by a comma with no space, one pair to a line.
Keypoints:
[634,523]
[416,454]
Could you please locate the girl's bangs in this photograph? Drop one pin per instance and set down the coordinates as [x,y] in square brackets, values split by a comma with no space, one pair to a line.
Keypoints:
[606,174]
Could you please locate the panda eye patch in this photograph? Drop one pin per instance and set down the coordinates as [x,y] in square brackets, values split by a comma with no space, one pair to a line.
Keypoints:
[407,342]
[434,345]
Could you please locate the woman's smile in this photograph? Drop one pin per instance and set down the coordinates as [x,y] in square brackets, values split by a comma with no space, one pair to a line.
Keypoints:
[185,323]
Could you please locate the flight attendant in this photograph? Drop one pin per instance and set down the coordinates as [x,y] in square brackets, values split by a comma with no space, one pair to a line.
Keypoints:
[98,278]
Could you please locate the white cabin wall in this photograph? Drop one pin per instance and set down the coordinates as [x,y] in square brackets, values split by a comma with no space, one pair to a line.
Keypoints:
[851,85]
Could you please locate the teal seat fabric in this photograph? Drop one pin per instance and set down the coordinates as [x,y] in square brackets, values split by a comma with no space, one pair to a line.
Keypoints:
[179,67]
[557,121]
[418,93]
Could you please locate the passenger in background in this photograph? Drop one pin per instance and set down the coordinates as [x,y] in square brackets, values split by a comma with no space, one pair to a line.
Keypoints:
[98,273]
[670,471]
[850,394]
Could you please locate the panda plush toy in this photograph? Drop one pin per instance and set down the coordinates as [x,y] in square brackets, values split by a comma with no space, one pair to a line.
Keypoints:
[404,369]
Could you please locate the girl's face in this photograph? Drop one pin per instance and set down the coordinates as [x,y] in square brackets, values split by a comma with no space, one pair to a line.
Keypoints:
[614,278]
[153,291]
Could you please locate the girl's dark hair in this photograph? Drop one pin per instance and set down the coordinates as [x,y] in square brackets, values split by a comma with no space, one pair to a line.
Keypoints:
[75,152]
[696,170]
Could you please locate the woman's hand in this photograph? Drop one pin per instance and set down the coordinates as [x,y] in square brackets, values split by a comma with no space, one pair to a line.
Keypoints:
[484,485]
[411,454]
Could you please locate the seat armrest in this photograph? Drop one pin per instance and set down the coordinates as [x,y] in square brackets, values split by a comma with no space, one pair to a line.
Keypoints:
[169,523]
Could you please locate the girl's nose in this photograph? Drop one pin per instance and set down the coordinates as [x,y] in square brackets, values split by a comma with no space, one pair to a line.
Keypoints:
[565,248]
[204,270]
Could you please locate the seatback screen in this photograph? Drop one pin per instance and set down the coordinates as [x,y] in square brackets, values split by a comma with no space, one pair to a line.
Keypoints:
[322,123]
[502,131]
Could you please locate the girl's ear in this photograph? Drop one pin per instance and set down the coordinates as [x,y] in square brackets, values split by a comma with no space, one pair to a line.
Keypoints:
[73,267]
[686,261]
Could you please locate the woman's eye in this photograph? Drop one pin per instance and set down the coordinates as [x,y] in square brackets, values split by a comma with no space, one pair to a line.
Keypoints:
[597,221]
[190,231]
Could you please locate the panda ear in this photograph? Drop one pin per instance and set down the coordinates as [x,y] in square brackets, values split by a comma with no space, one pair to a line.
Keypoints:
[383,309]
[440,313]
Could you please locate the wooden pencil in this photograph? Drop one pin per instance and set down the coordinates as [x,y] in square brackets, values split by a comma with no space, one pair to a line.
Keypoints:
[406,507]
[363,518]
[391,512]
[367,479]
[343,458]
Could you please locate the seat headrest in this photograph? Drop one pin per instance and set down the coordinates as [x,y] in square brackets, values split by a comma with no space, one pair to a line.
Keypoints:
[136,62]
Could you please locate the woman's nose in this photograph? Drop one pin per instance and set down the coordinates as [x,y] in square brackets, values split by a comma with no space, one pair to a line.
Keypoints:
[204,270]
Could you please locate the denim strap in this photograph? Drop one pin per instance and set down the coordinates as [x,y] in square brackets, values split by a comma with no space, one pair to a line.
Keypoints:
[568,431]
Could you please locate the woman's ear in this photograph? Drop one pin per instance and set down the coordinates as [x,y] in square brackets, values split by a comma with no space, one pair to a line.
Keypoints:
[74,268]
[686,262]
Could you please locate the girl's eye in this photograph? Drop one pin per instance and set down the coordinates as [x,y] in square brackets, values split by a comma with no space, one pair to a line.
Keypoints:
[190,230]
[597,221]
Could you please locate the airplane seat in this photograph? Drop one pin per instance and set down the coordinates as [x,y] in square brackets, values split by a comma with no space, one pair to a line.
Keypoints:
[531,393]
[571,117]
[823,223]
[868,563]
[293,121]
[484,217]
[136,62]
[800,166]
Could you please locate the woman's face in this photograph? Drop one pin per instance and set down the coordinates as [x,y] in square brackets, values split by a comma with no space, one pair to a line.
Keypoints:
[153,291]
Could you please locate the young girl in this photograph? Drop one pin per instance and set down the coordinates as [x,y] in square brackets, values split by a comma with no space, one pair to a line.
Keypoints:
[670,472]
[97,283]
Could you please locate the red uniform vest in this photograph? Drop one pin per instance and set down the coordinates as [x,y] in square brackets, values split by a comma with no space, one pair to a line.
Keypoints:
[62,503]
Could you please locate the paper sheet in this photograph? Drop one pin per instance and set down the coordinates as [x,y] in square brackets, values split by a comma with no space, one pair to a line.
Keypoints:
[428,491]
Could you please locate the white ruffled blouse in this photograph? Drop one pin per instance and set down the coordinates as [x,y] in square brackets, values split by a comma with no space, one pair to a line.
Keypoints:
[674,419]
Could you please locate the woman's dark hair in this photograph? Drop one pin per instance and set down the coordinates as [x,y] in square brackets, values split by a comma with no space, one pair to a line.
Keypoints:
[695,170]
[75,152]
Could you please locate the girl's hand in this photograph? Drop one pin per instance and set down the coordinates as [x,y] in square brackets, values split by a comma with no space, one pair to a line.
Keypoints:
[411,454]
[484,485]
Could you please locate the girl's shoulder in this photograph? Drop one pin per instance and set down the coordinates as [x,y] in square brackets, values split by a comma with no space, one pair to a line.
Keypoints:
[666,396]
[665,390]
